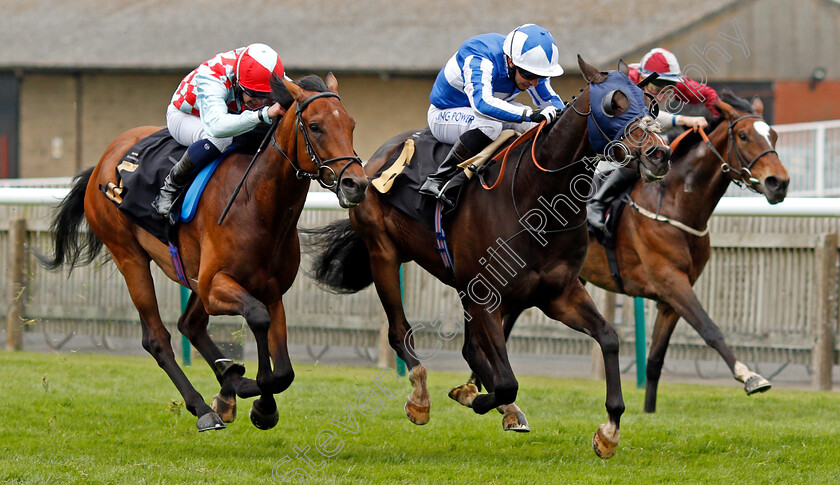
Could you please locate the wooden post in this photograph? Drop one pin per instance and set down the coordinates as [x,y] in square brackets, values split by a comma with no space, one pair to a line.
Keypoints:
[822,359]
[606,305]
[17,285]
[387,356]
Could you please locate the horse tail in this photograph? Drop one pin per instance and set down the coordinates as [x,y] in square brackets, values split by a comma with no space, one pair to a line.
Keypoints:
[72,247]
[342,261]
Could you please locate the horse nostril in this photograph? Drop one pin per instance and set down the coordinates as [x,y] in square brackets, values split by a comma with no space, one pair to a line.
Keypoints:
[773,184]
[349,185]
[658,154]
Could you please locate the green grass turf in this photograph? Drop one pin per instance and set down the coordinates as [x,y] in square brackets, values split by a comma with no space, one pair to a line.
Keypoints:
[72,418]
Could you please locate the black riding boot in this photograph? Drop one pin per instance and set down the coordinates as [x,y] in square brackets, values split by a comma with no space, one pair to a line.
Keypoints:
[614,185]
[467,146]
[197,155]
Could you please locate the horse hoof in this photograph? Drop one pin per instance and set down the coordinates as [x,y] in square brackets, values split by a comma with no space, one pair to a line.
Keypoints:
[264,421]
[225,407]
[464,395]
[755,384]
[515,421]
[210,421]
[418,415]
[603,447]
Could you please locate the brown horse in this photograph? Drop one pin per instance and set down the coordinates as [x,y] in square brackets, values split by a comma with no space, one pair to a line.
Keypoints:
[662,261]
[241,267]
[519,258]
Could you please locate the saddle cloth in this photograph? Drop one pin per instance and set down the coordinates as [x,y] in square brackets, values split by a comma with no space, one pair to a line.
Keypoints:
[140,175]
[399,179]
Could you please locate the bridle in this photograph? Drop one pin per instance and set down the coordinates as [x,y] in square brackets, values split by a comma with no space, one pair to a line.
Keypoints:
[746,178]
[321,165]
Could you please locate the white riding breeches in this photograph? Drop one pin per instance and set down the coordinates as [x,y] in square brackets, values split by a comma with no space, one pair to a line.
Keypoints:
[187,129]
[449,124]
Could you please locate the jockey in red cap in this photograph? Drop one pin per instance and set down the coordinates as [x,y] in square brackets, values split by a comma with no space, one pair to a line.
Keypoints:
[225,96]
[669,88]
[671,82]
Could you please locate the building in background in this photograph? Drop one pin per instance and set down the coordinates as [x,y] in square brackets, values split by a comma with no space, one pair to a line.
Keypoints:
[74,75]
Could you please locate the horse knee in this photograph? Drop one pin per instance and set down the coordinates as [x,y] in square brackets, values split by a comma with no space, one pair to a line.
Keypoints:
[505,392]
[276,382]
[157,347]
[654,369]
[608,340]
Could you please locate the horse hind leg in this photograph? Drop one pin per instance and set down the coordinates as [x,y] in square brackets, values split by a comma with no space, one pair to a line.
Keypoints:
[666,321]
[385,269]
[156,339]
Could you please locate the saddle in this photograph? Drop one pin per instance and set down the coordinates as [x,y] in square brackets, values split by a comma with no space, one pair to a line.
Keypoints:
[399,180]
[140,175]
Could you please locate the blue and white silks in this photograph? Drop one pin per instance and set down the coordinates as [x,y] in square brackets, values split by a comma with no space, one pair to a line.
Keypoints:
[477,76]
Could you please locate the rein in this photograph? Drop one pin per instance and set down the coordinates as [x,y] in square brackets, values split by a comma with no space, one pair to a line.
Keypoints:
[503,154]
[746,178]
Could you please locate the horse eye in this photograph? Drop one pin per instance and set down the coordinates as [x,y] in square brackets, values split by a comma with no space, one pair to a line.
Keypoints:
[742,136]
[314,127]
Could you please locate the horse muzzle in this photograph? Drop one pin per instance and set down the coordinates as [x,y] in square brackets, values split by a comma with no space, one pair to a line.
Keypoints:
[774,189]
[655,163]
[351,192]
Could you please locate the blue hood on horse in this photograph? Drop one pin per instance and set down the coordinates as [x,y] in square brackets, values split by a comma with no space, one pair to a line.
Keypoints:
[604,127]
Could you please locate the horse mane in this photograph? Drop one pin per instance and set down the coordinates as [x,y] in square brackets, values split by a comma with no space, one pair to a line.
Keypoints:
[692,139]
[279,93]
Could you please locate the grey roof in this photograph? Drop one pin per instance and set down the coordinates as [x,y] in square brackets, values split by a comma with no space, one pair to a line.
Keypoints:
[397,36]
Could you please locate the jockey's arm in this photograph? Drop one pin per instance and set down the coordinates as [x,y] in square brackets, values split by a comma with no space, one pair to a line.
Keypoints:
[668,120]
[693,92]
[211,95]
[478,75]
[543,95]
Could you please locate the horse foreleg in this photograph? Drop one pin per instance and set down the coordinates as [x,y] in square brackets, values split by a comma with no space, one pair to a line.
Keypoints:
[156,339]
[486,353]
[227,297]
[677,291]
[193,325]
[575,308]
[666,321]
[513,419]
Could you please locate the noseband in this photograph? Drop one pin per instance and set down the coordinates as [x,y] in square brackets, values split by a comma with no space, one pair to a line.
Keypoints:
[746,178]
[320,164]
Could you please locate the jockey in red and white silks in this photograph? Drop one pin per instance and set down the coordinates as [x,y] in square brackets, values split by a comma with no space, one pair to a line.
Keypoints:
[226,96]
[206,104]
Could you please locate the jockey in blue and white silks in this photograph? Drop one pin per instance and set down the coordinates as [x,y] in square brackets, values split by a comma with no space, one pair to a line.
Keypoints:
[472,97]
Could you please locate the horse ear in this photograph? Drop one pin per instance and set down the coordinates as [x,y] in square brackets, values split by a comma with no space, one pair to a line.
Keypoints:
[623,67]
[332,82]
[295,90]
[727,109]
[757,106]
[590,73]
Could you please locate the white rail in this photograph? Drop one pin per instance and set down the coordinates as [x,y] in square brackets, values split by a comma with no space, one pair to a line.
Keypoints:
[728,206]
[52,196]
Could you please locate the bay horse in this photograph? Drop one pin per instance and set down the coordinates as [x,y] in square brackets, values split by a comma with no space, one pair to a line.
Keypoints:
[504,262]
[660,260]
[240,267]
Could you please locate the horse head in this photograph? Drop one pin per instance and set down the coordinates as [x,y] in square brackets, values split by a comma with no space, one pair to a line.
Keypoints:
[751,158]
[622,124]
[323,137]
